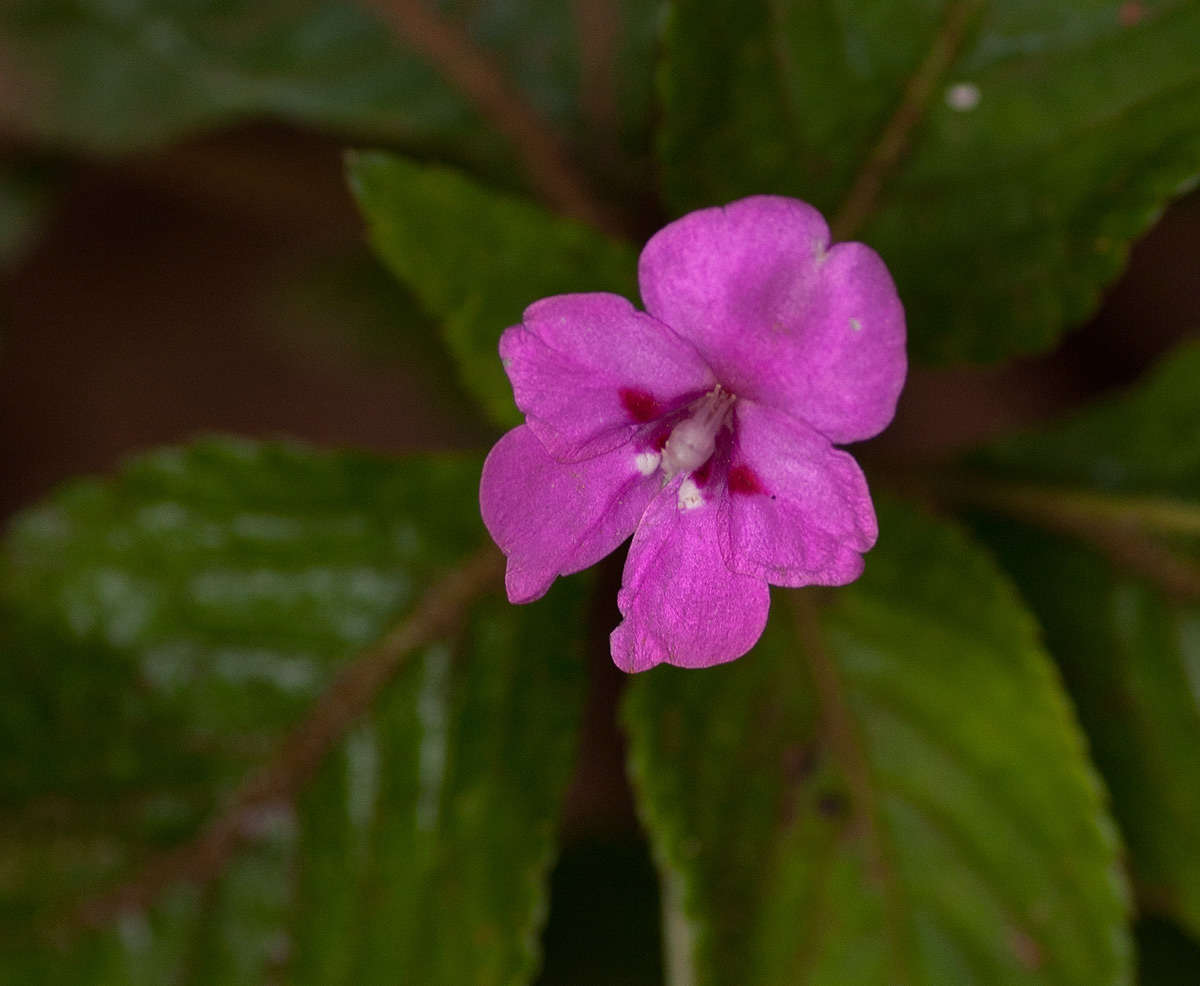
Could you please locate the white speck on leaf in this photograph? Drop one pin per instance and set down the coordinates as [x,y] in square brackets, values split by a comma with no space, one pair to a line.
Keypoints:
[962,96]
[362,776]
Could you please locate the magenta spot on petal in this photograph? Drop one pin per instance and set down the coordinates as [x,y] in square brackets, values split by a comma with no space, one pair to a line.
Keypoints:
[640,405]
[659,439]
[702,475]
[743,479]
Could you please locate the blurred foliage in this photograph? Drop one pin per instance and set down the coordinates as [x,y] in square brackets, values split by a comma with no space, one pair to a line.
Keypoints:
[895,794]
[117,76]
[164,630]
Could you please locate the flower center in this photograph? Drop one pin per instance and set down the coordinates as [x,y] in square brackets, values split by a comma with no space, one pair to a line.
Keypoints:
[693,440]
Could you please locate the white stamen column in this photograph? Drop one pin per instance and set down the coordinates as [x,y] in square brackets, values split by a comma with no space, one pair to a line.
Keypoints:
[694,439]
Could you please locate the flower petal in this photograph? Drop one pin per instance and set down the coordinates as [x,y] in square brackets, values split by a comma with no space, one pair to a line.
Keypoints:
[781,317]
[552,518]
[798,511]
[588,370]
[681,603]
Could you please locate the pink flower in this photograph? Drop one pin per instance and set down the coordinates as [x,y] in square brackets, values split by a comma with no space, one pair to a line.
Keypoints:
[704,427]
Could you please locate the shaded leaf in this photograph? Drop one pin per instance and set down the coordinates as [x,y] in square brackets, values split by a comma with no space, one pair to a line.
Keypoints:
[1000,156]
[1130,650]
[115,76]
[163,631]
[889,789]
[1131,659]
[477,259]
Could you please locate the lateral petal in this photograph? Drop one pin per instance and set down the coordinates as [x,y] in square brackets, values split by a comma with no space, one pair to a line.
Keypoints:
[552,518]
[798,511]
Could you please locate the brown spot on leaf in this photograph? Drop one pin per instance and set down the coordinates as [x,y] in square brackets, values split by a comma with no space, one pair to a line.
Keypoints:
[1025,948]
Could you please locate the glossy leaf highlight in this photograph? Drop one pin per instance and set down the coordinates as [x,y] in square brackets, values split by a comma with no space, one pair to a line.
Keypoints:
[164,631]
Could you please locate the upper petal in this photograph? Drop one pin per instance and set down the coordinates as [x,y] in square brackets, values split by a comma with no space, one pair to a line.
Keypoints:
[681,604]
[780,316]
[798,511]
[587,370]
[552,518]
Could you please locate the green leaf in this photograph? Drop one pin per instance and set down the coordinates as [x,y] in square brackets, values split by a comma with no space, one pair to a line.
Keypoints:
[1129,648]
[117,76]
[477,259]
[163,632]
[430,841]
[889,789]
[1131,658]
[1000,156]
